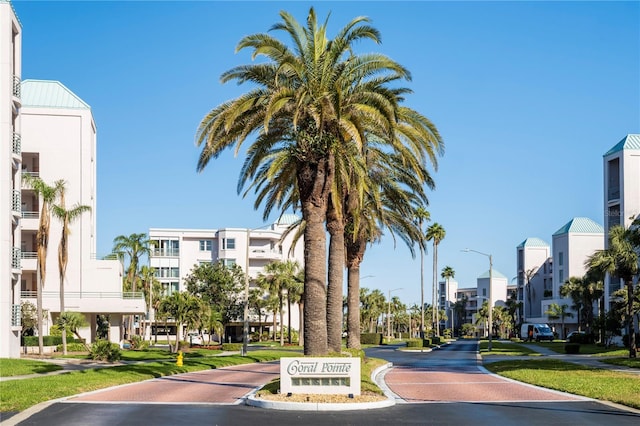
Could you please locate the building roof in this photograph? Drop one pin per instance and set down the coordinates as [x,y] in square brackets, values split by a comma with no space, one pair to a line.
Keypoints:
[533,242]
[50,94]
[287,219]
[631,141]
[494,274]
[580,225]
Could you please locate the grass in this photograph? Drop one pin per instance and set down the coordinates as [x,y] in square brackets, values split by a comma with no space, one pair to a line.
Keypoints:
[17,395]
[594,383]
[624,362]
[587,349]
[505,348]
[21,367]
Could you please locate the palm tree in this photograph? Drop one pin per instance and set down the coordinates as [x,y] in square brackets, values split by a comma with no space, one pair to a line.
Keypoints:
[621,259]
[559,312]
[48,195]
[447,273]
[151,288]
[66,217]
[574,288]
[134,247]
[185,309]
[436,233]
[422,215]
[306,105]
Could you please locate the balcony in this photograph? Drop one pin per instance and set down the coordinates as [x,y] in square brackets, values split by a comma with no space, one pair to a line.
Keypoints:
[16,316]
[17,145]
[265,254]
[16,202]
[164,252]
[15,258]
[92,301]
[17,91]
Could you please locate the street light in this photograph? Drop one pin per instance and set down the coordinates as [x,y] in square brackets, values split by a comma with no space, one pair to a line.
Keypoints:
[490,300]
[389,313]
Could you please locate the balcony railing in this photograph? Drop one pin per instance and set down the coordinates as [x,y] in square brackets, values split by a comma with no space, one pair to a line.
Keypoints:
[30,215]
[16,316]
[29,255]
[16,201]
[16,87]
[84,294]
[15,257]
[30,173]
[165,252]
[17,143]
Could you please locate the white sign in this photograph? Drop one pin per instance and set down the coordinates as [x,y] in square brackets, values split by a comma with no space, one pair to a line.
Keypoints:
[320,375]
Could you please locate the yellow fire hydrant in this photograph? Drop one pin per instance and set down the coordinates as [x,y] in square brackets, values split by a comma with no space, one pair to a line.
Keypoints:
[179,360]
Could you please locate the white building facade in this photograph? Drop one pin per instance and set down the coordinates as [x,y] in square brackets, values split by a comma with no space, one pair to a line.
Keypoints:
[10,158]
[59,143]
[534,280]
[621,191]
[175,252]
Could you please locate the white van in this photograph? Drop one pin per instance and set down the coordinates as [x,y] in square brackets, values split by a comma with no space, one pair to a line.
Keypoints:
[530,332]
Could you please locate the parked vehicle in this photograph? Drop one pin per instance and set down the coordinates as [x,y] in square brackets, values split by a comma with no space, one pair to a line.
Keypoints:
[530,332]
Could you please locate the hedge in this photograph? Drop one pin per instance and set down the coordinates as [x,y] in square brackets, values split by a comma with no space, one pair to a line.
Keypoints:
[371,338]
[47,340]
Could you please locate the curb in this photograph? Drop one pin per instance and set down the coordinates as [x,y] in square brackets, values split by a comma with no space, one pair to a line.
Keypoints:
[254,401]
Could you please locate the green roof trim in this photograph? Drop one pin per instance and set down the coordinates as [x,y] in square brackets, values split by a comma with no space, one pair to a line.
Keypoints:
[494,274]
[580,225]
[631,141]
[533,242]
[50,94]
[287,219]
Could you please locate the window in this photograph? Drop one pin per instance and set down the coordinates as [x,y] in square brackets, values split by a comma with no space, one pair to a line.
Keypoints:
[560,258]
[166,272]
[205,245]
[229,243]
[561,276]
[169,288]
[165,247]
[228,262]
[484,292]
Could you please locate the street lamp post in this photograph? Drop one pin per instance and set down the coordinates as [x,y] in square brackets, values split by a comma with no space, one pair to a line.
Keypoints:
[490,300]
[389,313]
[245,327]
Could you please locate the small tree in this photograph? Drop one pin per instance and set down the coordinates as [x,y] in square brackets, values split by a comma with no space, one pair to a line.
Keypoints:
[72,322]
[560,312]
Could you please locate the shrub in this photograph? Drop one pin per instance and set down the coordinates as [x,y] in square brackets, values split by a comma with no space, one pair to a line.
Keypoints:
[354,352]
[582,339]
[426,342]
[138,343]
[104,350]
[435,340]
[414,343]
[47,340]
[371,338]
[232,347]
[572,348]
[73,347]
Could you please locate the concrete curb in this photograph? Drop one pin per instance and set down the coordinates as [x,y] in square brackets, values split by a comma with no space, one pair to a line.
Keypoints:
[254,401]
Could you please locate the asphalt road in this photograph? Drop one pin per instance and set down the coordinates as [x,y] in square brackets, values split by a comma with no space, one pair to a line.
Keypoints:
[443,387]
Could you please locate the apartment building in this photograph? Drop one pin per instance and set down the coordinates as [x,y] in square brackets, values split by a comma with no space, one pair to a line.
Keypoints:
[175,252]
[621,191]
[10,158]
[59,142]
[534,280]
[447,290]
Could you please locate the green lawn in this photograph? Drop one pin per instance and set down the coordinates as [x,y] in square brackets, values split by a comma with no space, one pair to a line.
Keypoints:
[591,349]
[18,395]
[599,384]
[505,348]
[625,362]
[20,367]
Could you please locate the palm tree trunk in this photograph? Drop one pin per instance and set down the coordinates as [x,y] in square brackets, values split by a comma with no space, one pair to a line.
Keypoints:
[289,318]
[335,281]
[421,292]
[39,312]
[630,328]
[434,311]
[281,321]
[353,307]
[301,323]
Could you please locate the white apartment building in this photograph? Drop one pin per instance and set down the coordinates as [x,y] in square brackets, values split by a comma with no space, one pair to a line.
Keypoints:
[10,158]
[446,298]
[534,280]
[621,191]
[59,142]
[175,252]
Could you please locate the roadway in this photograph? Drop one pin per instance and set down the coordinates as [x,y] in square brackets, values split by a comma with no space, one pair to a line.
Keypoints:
[442,387]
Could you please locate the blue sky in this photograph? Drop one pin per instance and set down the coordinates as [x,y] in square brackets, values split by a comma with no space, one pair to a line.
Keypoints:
[527,96]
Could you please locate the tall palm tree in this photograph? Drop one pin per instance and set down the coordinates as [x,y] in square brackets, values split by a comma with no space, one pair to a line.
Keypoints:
[436,233]
[133,246]
[621,259]
[48,195]
[66,217]
[422,216]
[151,288]
[447,273]
[304,103]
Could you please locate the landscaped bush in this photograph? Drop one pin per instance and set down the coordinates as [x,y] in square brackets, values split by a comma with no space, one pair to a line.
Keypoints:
[104,350]
[371,338]
[426,342]
[47,340]
[138,343]
[73,347]
[572,348]
[414,343]
[232,347]
[435,340]
[582,339]
[354,352]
